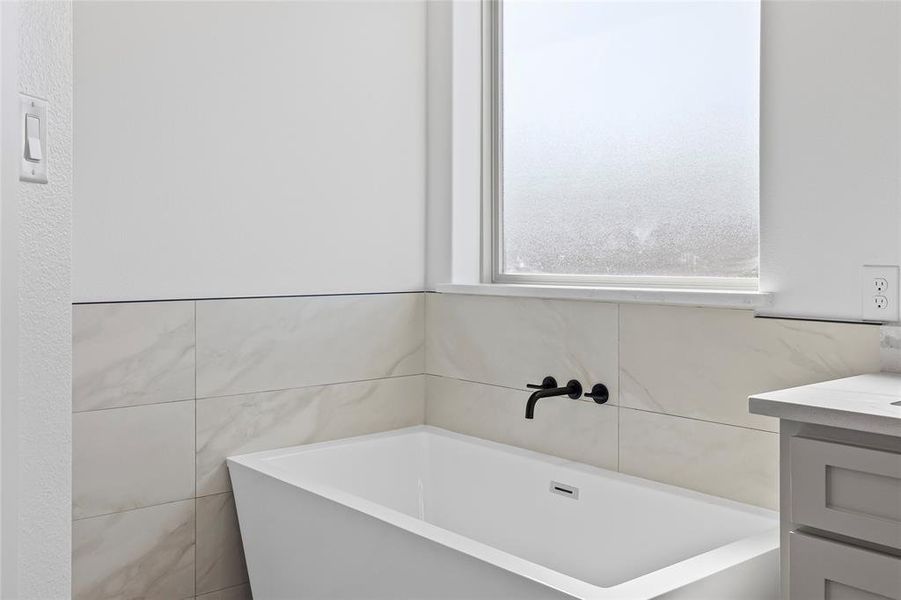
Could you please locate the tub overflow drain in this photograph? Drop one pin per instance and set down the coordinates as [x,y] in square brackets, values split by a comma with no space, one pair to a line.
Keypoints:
[564,490]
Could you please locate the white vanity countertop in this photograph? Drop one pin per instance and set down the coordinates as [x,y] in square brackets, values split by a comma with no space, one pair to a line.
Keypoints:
[863,402]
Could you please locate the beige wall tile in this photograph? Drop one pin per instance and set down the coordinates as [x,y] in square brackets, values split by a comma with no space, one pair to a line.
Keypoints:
[145,553]
[516,341]
[581,431]
[220,555]
[733,462]
[704,363]
[265,344]
[132,353]
[249,423]
[124,458]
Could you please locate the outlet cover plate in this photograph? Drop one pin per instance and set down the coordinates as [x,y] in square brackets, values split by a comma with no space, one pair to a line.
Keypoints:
[876,305]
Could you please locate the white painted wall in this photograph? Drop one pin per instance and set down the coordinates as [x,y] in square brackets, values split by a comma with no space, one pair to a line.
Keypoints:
[830,152]
[248,148]
[43,217]
[439,151]
[454,209]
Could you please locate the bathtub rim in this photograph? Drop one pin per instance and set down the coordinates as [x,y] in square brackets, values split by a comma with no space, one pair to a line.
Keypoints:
[650,585]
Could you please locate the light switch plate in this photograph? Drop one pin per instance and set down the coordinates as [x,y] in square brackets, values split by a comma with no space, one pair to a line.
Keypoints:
[33,156]
[879,293]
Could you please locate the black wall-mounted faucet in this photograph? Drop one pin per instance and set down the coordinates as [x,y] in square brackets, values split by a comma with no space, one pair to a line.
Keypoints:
[549,389]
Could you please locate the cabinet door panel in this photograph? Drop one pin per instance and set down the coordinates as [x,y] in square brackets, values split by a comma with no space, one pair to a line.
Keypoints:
[846,489]
[822,569]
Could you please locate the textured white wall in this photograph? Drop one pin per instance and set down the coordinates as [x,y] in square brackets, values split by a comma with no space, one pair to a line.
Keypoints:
[249,148]
[45,331]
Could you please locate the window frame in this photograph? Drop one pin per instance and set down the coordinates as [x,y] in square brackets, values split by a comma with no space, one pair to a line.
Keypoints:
[492,241]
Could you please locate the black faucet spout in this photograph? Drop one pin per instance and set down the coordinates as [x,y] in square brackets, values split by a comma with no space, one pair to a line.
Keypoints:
[573,389]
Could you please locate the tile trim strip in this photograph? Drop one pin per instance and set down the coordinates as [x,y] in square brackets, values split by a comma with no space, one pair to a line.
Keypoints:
[210,298]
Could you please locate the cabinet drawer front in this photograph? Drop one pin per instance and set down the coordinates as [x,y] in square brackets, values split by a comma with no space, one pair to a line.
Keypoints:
[848,490]
[825,570]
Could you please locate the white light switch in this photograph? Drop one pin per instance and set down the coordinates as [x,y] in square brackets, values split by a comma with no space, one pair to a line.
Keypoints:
[33,159]
[33,150]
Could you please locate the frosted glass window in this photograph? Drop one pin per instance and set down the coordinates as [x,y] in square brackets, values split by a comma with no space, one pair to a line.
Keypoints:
[629,138]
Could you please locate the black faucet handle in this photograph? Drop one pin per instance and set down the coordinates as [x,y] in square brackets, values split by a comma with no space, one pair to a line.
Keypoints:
[548,384]
[599,393]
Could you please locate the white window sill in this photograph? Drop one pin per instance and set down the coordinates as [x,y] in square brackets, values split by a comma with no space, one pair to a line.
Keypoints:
[746,299]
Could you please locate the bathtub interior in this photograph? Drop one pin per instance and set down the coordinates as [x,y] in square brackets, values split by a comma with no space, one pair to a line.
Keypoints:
[618,529]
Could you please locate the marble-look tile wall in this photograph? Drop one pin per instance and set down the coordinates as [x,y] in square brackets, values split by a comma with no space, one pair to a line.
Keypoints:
[164,391]
[679,379]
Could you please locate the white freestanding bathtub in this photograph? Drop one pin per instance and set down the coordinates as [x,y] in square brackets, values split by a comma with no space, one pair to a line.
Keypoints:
[423,513]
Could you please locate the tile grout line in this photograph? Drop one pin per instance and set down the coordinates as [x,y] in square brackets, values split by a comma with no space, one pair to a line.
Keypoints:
[313,385]
[619,393]
[663,414]
[229,587]
[271,391]
[425,358]
[143,404]
[165,503]
[136,508]
[194,590]
[231,491]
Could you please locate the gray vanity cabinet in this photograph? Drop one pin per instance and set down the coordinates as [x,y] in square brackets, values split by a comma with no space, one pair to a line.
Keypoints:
[840,487]
[841,514]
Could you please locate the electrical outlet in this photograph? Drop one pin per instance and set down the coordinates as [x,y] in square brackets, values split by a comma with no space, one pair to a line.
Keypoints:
[879,293]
